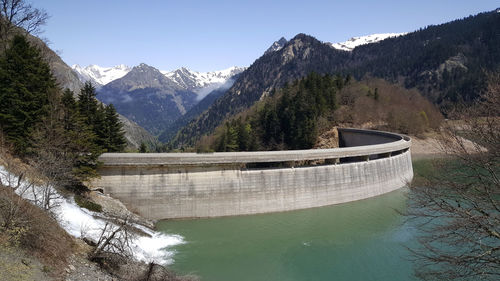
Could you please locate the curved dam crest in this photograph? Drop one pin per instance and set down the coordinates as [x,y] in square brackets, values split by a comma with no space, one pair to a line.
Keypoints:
[190,185]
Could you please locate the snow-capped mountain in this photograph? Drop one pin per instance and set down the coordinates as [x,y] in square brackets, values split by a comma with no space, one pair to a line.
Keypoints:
[154,99]
[201,83]
[352,43]
[276,46]
[145,96]
[99,75]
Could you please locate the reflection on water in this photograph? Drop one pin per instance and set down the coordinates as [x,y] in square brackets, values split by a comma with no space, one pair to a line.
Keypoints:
[361,240]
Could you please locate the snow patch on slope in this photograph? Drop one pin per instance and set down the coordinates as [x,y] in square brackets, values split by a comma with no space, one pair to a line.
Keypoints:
[352,43]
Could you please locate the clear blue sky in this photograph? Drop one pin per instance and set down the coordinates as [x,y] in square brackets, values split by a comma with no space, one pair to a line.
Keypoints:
[210,35]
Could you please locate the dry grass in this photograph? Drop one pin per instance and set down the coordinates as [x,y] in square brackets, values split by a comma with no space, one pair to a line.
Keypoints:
[31,229]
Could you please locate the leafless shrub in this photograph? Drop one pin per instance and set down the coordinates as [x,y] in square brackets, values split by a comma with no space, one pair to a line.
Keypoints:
[53,172]
[457,209]
[376,102]
[113,245]
[12,211]
[113,252]
[13,174]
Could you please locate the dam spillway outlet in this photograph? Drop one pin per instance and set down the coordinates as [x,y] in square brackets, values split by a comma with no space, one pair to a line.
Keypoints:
[191,185]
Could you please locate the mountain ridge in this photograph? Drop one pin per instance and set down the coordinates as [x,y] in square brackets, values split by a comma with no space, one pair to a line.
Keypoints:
[99,75]
[196,110]
[202,83]
[154,99]
[148,98]
[271,71]
[446,62]
[184,78]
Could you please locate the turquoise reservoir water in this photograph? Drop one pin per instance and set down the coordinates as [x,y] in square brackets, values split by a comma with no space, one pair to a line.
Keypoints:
[362,240]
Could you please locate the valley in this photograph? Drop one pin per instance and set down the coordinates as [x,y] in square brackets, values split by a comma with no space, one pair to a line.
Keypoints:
[184,143]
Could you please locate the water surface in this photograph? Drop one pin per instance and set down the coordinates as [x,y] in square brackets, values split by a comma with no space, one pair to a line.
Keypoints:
[362,240]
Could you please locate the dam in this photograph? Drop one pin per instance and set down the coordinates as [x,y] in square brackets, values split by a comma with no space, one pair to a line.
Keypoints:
[192,185]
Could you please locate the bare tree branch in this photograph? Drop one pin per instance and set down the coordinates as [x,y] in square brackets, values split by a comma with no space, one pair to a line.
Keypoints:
[456,209]
[20,14]
[113,243]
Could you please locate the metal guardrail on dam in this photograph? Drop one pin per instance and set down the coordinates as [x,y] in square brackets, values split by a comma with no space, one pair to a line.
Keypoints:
[188,185]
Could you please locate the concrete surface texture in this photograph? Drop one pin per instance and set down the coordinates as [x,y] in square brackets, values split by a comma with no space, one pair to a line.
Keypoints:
[188,185]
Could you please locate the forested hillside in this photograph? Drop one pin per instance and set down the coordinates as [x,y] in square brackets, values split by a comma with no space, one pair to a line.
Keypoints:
[301,56]
[192,114]
[45,124]
[288,121]
[66,78]
[446,63]
[297,116]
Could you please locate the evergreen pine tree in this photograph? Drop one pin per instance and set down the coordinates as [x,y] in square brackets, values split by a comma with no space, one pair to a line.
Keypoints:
[25,83]
[143,148]
[103,120]
[221,141]
[70,109]
[83,147]
[115,136]
[243,133]
[87,103]
[99,126]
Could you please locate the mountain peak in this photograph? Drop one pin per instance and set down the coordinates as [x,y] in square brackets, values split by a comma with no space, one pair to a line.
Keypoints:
[143,76]
[143,65]
[276,46]
[201,82]
[99,75]
[145,70]
[282,41]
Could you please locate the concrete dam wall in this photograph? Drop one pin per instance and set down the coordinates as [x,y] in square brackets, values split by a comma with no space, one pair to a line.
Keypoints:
[190,185]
